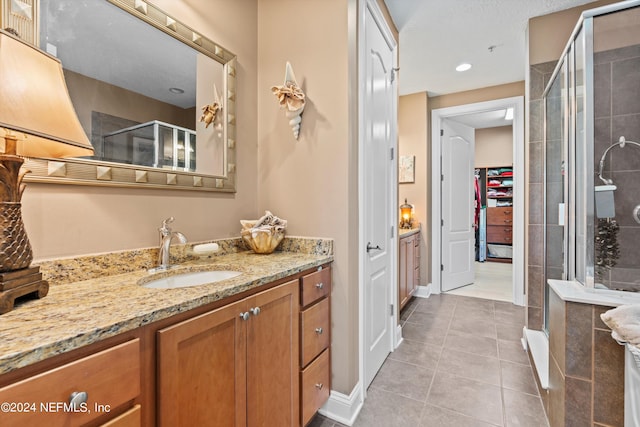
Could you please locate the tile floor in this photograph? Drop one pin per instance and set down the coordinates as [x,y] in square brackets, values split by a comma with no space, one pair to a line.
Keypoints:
[461,364]
[493,280]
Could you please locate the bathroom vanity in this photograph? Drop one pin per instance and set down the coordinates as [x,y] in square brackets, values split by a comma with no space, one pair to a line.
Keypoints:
[409,264]
[107,351]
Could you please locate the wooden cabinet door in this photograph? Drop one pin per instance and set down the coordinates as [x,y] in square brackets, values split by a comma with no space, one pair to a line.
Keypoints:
[402,281]
[411,263]
[273,357]
[202,370]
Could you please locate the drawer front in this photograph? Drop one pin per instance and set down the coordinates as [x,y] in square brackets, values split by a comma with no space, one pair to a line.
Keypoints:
[131,418]
[500,216]
[499,234]
[315,386]
[110,378]
[314,331]
[315,286]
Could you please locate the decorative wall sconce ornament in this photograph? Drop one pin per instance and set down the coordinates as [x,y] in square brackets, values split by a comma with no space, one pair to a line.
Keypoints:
[209,111]
[291,98]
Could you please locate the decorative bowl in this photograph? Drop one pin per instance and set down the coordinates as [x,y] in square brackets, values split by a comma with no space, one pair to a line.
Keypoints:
[262,241]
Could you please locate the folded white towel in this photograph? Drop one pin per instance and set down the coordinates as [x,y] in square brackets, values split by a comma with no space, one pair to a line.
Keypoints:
[625,322]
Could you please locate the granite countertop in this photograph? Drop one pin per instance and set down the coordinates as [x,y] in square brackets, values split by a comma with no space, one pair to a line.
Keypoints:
[402,232]
[80,313]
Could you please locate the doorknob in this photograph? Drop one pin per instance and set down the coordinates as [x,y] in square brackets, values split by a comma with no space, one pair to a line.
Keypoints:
[372,248]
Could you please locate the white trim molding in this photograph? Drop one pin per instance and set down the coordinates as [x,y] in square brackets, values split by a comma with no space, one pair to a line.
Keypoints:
[342,408]
[423,291]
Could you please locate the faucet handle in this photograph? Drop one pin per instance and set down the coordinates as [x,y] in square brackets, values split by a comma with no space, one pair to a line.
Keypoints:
[165,229]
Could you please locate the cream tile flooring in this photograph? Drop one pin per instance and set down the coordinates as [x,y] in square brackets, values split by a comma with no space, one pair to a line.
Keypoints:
[493,280]
[461,364]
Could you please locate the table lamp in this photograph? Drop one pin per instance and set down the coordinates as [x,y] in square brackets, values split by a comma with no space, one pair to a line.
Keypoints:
[37,119]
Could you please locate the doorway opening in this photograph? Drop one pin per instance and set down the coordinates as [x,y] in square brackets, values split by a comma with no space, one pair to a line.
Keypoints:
[489,261]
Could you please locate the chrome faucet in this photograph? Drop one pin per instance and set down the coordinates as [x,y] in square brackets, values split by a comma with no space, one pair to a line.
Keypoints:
[166,236]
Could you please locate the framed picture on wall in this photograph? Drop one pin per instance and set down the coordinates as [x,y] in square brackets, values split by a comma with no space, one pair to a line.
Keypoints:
[406,171]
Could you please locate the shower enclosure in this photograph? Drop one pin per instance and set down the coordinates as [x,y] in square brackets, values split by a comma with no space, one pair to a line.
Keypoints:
[592,158]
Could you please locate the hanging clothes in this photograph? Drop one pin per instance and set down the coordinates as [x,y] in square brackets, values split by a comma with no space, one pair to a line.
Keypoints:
[478,201]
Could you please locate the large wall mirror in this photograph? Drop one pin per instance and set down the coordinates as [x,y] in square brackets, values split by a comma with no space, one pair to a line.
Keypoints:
[138,80]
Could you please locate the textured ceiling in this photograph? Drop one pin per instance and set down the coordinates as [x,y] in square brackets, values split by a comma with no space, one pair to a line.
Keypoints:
[437,35]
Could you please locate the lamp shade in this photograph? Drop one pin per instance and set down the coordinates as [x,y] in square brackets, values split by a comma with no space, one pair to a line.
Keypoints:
[35,103]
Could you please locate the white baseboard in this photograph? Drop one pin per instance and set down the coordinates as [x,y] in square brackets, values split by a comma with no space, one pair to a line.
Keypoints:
[423,291]
[342,408]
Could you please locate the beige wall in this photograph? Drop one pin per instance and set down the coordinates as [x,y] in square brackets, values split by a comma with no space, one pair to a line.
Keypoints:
[313,182]
[65,220]
[494,147]
[477,95]
[549,34]
[412,141]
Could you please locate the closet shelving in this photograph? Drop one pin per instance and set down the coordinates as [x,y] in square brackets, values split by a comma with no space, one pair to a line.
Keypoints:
[497,194]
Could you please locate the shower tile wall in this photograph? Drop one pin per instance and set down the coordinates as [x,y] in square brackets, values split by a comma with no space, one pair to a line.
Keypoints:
[617,112]
[586,367]
[539,76]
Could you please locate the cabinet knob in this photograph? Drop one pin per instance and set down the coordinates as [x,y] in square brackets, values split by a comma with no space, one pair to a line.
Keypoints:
[245,315]
[320,285]
[319,386]
[319,331]
[255,311]
[78,398]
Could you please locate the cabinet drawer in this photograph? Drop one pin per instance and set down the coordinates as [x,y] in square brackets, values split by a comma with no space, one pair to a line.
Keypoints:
[500,216]
[131,418]
[110,378]
[315,286]
[315,386]
[498,234]
[314,330]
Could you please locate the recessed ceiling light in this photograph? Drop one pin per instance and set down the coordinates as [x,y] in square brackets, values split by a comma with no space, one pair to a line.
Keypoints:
[463,67]
[176,90]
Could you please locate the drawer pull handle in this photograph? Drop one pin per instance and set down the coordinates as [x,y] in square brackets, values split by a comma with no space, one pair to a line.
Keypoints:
[255,311]
[320,285]
[319,386]
[77,399]
[508,221]
[319,331]
[245,315]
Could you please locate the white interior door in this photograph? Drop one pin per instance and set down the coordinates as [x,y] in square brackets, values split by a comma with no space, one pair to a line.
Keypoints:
[458,234]
[379,138]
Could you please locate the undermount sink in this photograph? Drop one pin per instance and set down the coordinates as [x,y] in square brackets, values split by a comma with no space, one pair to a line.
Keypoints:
[184,280]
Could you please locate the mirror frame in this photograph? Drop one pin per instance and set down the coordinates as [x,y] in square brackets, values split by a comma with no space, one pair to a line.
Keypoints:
[100,173]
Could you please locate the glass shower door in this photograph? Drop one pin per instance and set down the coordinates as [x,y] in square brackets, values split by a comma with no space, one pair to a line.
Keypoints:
[556,155]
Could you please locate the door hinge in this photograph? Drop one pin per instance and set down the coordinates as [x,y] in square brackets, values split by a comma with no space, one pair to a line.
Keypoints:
[392,156]
[393,73]
[392,231]
[391,309]
[441,132]
[442,222]
[442,177]
[441,267]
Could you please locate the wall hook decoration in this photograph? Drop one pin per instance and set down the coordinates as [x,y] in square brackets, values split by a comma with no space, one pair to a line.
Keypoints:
[209,111]
[291,98]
